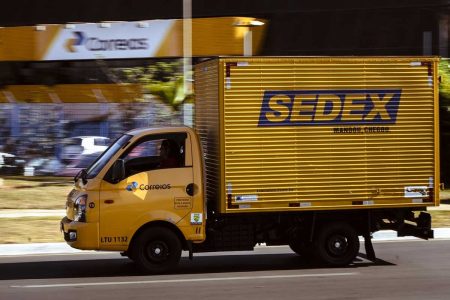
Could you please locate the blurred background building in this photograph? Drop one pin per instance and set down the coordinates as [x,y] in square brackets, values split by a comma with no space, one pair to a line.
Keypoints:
[108,66]
[299,27]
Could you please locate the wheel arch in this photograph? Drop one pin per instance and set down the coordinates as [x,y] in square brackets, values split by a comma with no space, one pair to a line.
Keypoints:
[159,223]
[361,220]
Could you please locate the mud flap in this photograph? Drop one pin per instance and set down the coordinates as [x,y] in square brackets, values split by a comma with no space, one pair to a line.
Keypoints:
[190,249]
[370,252]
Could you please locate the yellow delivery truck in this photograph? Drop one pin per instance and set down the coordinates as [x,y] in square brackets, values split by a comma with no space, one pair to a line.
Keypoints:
[310,152]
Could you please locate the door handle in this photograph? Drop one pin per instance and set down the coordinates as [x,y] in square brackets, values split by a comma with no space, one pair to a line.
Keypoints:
[109,201]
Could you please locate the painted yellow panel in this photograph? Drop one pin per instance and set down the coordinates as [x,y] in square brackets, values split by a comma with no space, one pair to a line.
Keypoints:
[17,43]
[222,36]
[30,93]
[26,43]
[4,96]
[44,40]
[72,93]
[324,133]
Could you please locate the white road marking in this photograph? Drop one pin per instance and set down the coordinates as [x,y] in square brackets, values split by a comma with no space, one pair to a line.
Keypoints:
[63,285]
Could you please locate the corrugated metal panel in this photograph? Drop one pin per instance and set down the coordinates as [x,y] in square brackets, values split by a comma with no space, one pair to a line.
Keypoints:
[297,162]
[207,116]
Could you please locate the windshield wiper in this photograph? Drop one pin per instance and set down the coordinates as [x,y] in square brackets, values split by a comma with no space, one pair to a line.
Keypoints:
[81,174]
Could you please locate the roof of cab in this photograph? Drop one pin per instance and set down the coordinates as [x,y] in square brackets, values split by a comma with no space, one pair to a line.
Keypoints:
[156,130]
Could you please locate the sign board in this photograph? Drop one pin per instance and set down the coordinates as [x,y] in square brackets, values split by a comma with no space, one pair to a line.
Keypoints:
[121,40]
[109,41]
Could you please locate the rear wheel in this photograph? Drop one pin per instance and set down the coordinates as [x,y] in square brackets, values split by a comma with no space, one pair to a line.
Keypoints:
[302,248]
[336,244]
[157,250]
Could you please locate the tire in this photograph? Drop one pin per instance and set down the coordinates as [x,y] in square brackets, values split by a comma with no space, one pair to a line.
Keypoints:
[336,245]
[127,254]
[302,248]
[157,250]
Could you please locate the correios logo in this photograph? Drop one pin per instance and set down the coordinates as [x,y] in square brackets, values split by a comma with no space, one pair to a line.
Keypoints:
[132,186]
[71,44]
[80,39]
[146,187]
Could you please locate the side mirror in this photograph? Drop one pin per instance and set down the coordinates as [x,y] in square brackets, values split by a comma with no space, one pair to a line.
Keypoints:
[118,170]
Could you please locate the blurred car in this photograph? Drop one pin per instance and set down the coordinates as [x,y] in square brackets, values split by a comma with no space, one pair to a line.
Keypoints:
[32,165]
[4,156]
[82,162]
[83,145]
[11,164]
[45,166]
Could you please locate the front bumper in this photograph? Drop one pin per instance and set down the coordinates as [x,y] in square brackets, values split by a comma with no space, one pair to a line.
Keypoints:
[80,235]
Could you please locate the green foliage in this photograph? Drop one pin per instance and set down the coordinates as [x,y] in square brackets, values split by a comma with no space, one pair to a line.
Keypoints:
[170,92]
[166,71]
[163,79]
[444,94]
[444,85]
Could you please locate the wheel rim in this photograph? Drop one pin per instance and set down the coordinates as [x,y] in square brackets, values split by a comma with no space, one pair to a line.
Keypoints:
[157,252]
[337,245]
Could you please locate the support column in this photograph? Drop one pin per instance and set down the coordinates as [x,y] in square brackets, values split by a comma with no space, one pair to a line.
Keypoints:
[443,35]
[427,43]
[14,114]
[187,60]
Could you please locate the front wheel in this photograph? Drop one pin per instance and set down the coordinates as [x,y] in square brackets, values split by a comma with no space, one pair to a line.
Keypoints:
[157,250]
[336,244]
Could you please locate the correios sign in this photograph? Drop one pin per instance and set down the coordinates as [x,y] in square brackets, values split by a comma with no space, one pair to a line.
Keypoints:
[115,40]
[98,44]
[93,41]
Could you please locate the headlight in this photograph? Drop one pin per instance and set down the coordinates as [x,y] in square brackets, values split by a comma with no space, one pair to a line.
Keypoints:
[80,208]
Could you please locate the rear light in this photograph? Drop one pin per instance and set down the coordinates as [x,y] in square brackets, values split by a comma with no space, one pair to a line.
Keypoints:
[80,208]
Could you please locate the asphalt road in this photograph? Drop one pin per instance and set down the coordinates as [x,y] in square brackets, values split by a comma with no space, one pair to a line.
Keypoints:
[405,270]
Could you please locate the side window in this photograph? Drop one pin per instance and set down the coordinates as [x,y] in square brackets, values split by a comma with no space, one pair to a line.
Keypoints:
[155,152]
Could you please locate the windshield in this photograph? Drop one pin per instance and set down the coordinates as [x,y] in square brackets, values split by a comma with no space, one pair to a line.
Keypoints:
[103,159]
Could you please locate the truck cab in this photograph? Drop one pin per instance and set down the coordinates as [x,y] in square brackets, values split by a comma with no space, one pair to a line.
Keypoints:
[143,196]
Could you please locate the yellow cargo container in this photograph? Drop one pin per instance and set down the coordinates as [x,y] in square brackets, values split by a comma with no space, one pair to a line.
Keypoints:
[319,133]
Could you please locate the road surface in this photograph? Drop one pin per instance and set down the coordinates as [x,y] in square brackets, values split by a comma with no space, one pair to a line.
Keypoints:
[405,270]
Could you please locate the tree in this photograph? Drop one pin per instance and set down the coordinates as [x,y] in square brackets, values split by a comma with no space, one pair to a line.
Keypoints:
[163,79]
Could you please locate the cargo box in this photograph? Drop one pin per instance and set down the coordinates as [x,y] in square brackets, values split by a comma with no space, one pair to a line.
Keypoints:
[321,133]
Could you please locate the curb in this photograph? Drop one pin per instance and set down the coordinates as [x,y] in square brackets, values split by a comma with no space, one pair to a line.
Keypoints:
[390,235]
[37,249]
[63,248]
[23,213]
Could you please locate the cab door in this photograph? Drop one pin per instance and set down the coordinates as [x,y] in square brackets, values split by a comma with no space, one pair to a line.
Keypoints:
[156,187]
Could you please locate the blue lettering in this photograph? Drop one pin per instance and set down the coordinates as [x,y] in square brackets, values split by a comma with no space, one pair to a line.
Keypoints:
[332,107]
